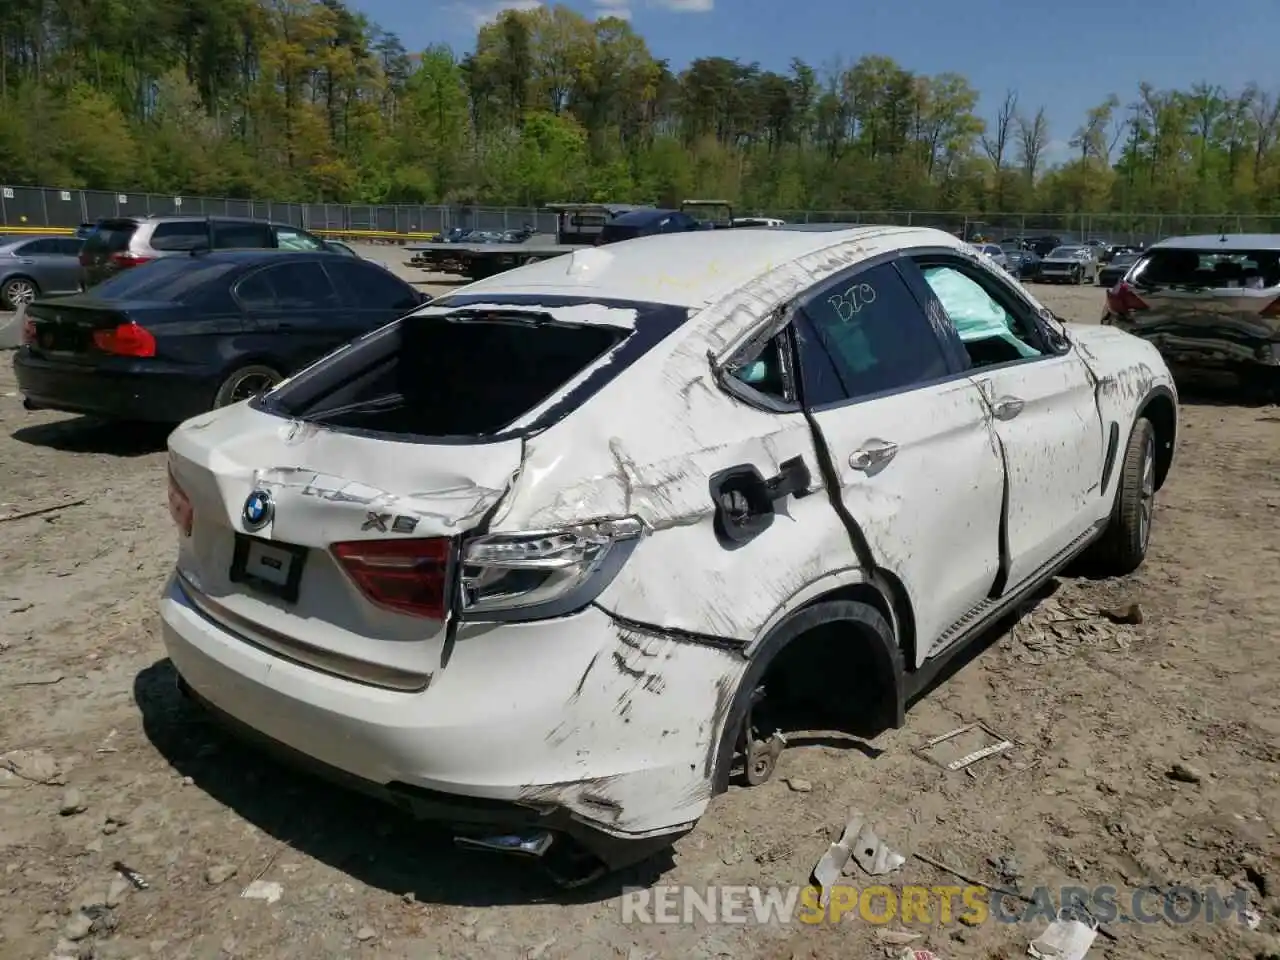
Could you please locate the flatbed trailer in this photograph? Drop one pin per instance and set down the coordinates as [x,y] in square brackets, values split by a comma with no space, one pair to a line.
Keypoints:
[578,225]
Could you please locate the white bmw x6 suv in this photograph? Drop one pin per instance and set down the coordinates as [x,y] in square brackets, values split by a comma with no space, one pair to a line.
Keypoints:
[545,559]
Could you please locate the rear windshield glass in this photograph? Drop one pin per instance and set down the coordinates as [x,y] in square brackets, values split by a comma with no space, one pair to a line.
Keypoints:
[110,237]
[169,279]
[1065,253]
[463,375]
[614,232]
[1207,269]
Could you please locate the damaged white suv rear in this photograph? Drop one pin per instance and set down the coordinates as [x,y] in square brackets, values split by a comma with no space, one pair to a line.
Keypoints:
[552,559]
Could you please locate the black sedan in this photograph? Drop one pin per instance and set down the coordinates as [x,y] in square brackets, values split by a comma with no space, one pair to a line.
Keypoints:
[1115,269]
[183,335]
[1023,264]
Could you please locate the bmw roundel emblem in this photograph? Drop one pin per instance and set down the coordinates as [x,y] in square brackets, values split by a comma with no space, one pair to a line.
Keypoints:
[257,510]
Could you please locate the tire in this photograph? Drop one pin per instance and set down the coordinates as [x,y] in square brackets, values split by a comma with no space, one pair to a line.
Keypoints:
[246,382]
[1123,546]
[17,291]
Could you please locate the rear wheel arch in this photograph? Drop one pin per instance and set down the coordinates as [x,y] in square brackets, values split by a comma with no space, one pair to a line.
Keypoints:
[851,625]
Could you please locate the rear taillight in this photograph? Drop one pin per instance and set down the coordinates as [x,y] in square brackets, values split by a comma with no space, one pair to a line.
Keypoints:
[1122,299]
[408,576]
[180,507]
[86,260]
[126,340]
[1271,310]
[126,259]
[28,330]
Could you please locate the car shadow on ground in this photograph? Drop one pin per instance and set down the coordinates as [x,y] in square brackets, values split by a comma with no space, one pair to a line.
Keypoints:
[372,842]
[1226,392]
[90,435]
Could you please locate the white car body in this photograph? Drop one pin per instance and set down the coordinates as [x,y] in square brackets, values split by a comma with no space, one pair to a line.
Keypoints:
[996,253]
[610,709]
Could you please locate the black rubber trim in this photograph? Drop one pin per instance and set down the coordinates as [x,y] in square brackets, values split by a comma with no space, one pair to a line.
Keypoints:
[1113,446]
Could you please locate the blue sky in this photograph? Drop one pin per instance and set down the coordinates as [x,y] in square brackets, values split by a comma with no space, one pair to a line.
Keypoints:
[1065,54]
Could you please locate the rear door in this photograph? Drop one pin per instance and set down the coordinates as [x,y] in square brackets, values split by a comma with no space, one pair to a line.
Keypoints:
[1042,406]
[295,306]
[54,266]
[373,295]
[920,473]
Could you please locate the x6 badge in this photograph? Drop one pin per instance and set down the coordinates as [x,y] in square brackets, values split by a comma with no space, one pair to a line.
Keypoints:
[376,521]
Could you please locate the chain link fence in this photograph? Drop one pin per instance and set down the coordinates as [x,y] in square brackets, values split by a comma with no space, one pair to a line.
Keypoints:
[33,208]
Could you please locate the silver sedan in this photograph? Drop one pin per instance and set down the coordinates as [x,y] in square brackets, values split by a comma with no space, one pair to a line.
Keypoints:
[34,266]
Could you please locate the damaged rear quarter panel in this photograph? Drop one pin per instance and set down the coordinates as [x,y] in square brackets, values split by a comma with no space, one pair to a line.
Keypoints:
[647,446]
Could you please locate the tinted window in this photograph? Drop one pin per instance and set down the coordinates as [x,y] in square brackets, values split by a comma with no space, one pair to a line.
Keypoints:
[171,278]
[875,332]
[37,248]
[180,235]
[229,235]
[300,286]
[111,236]
[255,291]
[288,238]
[70,246]
[1210,268]
[373,287]
[988,323]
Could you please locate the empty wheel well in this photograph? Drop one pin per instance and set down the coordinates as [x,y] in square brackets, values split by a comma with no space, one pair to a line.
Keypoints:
[1160,411]
[894,607]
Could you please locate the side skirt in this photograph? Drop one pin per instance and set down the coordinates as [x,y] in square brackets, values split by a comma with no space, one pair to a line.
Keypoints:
[958,636]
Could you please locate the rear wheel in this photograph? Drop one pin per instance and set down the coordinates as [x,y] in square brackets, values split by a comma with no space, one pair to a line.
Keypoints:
[18,291]
[1124,545]
[245,383]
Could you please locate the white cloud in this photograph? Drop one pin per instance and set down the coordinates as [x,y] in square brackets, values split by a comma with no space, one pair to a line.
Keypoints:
[687,6]
[485,11]
[613,8]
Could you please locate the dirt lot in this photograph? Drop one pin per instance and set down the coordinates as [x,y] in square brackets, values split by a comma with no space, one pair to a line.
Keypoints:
[1092,793]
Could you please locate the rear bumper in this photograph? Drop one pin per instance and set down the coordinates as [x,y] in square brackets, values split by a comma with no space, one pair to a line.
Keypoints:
[1205,347]
[125,390]
[527,726]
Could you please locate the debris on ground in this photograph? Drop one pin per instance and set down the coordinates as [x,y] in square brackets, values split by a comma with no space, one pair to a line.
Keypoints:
[896,938]
[963,746]
[1185,773]
[33,765]
[267,890]
[220,873]
[1055,627]
[860,844]
[72,803]
[132,875]
[799,785]
[1069,937]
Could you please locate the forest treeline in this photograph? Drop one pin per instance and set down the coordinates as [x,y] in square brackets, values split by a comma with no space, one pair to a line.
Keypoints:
[308,100]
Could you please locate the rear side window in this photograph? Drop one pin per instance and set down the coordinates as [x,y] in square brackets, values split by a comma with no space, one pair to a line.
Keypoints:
[183,279]
[1209,269]
[613,232]
[371,287]
[876,334]
[180,235]
[37,248]
[69,246]
[288,286]
[110,237]
[456,375]
[231,235]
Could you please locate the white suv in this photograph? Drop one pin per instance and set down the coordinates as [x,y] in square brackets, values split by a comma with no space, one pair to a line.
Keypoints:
[549,559]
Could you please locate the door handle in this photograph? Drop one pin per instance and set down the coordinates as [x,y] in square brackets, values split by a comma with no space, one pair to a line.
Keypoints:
[1006,408]
[876,453]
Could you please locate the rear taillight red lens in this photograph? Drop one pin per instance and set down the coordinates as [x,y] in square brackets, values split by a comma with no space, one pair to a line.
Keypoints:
[126,340]
[126,259]
[1271,310]
[408,576]
[1122,299]
[28,330]
[180,507]
[85,260]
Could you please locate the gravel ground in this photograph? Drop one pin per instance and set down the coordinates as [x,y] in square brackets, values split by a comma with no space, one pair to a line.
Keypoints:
[1144,754]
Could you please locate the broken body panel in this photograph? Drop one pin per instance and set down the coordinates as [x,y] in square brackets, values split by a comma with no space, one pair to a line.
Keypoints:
[616,708]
